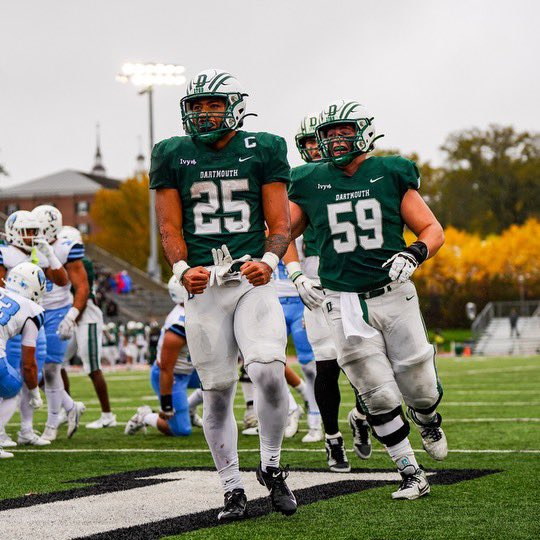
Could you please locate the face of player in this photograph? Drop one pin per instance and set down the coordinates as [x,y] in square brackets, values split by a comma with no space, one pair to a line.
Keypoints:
[312,148]
[340,139]
[29,236]
[209,111]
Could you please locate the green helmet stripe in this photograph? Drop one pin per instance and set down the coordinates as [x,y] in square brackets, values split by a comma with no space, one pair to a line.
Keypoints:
[218,81]
[345,112]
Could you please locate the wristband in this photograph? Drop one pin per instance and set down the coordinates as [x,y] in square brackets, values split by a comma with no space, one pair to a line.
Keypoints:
[419,251]
[72,313]
[294,270]
[179,269]
[34,392]
[166,402]
[54,262]
[271,259]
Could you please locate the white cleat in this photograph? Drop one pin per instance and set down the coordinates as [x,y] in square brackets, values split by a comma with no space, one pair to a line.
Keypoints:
[313,435]
[62,417]
[74,417]
[49,433]
[251,431]
[6,441]
[4,454]
[433,437]
[250,418]
[136,422]
[291,429]
[103,422]
[195,419]
[413,486]
[31,438]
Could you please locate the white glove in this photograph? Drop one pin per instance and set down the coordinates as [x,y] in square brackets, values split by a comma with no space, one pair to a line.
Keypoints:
[43,247]
[223,273]
[402,266]
[311,293]
[35,400]
[67,326]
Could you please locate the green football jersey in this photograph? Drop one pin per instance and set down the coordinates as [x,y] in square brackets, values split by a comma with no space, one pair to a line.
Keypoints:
[356,220]
[220,190]
[310,246]
[90,274]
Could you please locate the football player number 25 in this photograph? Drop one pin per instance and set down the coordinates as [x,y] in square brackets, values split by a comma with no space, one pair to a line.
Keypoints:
[220,198]
[369,220]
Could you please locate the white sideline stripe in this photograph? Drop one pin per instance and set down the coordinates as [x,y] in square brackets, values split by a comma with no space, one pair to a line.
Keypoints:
[242,450]
[488,370]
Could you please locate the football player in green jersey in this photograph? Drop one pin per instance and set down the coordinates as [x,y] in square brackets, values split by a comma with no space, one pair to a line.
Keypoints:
[326,384]
[216,190]
[358,205]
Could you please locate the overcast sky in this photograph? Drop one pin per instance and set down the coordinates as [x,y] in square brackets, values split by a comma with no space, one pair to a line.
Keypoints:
[425,68]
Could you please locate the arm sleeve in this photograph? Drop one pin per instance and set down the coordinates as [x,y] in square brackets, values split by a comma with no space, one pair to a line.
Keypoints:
[30,332]
[276,168]
[161,174]
[408,175]
[75,253]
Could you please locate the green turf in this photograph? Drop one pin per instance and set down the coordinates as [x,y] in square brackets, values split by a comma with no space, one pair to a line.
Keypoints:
[479,396]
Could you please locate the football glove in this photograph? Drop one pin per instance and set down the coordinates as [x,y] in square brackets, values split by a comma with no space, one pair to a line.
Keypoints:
[224,273]
[43,247]
[35,400]
[403,264]
[66,328]
[167,410]
[311,293]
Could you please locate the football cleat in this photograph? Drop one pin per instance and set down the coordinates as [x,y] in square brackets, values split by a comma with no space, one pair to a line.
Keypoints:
[6,441]
[74,417]
[235,506]
[282,498]
[62,417]
[4,454]
[291,429]
[103,422]
[49,433]
[136,422]
[360,433]
[195,419]
[412,486]
[336,456]
[433,437]
[313,435]
[251,431]
[250,418]
[31,438]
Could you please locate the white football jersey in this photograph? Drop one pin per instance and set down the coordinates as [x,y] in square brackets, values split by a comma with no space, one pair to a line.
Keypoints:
[282,281]
[11,256]
[59,297]
[15,310]
[175,323]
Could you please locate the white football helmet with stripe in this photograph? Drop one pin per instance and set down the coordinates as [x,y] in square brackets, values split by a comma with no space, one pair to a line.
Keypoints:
[50,219]
[22,227]
[28,280]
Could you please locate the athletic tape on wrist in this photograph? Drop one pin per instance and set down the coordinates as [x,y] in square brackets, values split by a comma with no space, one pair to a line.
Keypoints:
[179,269]
[271,259]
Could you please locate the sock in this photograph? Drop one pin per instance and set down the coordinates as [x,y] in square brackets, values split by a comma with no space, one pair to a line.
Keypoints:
[302,390]
[425,418]
[292,404]
[221,433]
[248,391]
[27,412]
[310,372]
[271,408]
[326,389]
[67,402]
[195,399]
[314,420]
[151,419]
[403,456]
[54,390]
[336,434]
[7,409]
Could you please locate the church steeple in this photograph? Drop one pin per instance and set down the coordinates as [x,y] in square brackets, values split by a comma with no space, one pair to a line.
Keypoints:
[98,168]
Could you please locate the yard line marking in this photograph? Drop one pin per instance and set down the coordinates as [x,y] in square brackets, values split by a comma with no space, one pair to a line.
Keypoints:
[489,370]
[242,450]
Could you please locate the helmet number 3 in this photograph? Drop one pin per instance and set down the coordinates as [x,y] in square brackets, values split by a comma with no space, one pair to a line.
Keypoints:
[220,198]
[368,218]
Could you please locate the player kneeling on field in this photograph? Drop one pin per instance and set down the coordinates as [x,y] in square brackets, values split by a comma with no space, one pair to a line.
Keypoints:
[20,314]
[170,376]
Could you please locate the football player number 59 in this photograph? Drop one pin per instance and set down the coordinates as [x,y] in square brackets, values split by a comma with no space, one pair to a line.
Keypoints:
[203,211]
[368,217]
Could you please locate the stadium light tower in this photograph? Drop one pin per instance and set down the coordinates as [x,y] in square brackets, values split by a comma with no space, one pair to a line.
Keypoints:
[147,76]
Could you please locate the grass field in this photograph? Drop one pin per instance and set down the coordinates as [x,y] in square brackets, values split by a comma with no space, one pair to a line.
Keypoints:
[491,412]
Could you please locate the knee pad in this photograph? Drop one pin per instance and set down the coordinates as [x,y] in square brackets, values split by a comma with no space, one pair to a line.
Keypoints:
[420,386]
[382,399]
[51,373]
[309,370]
[268,379]
[389,428]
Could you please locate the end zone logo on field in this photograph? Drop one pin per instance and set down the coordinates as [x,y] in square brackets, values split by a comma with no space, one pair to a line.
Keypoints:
[159,502]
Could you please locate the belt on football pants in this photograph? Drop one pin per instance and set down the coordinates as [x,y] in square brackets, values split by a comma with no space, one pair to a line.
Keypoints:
[375,292]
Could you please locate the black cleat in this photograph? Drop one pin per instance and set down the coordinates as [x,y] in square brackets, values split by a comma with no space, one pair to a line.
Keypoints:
[235,506]
[336,455]
[361,439]
[283,499]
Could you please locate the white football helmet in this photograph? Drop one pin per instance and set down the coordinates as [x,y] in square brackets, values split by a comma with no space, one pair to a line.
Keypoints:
[346,112]
[131,325]
[50,219]
[28,280]
[306,131]
[176,290]
[213,83]
[67,232]
[20,226]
